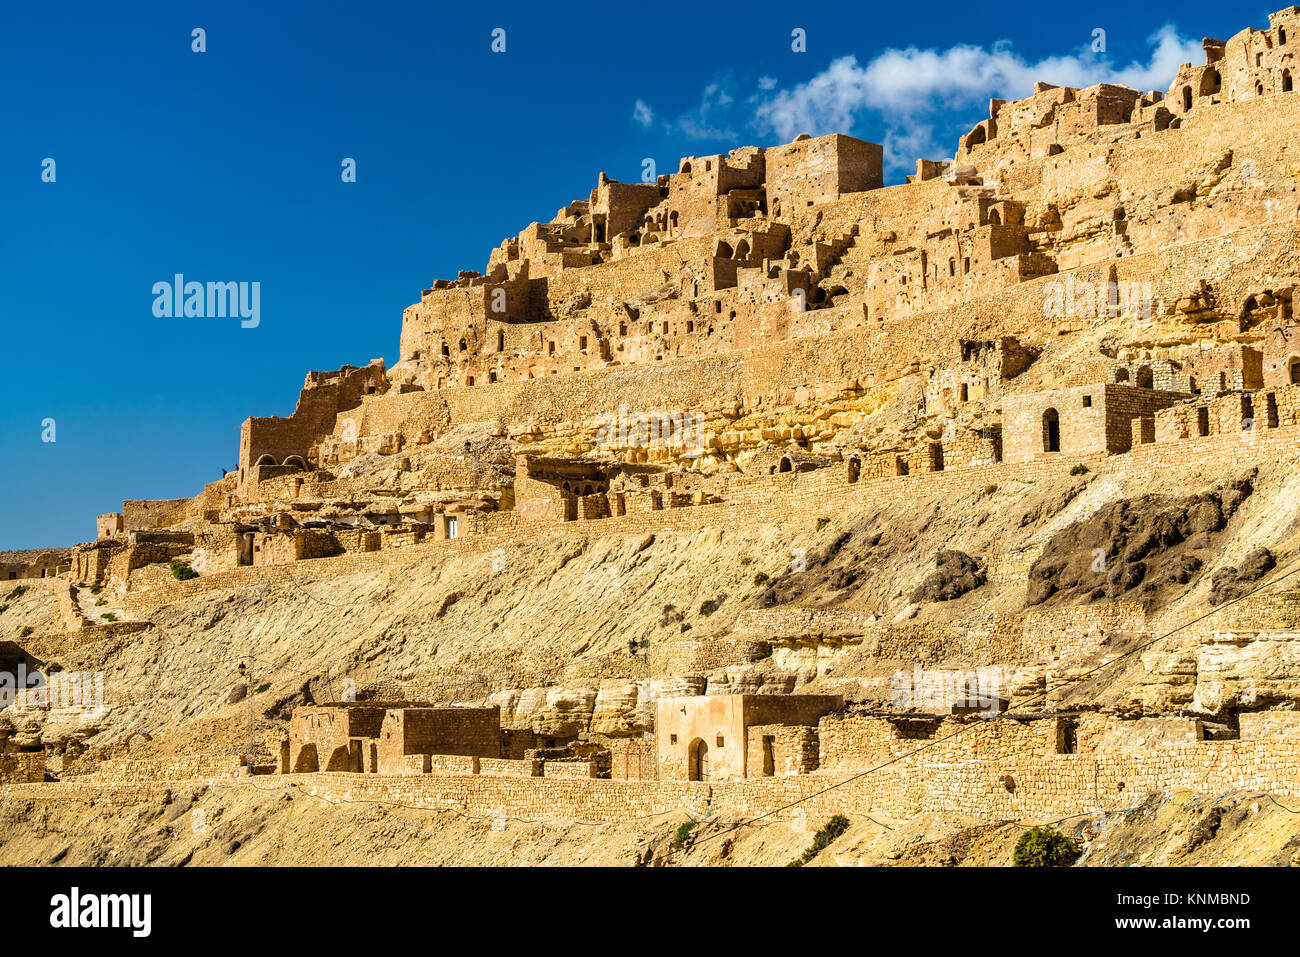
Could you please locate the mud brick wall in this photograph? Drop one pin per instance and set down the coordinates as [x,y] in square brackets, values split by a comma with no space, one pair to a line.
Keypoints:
[1024,786]
[1067,632]
[860,741]
[569,769]
[22,768]
[143,770]
[474,732]
[506,767]
[449,763]
[140,514]
[1109,734]
[1263,725]
[781,750]
[776,499]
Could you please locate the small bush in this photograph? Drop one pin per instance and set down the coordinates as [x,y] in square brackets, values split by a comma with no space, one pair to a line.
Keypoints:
[709,607]
[822,523]
[96,588]
[746,560]
[53,668]
[16,593]
[683,834]
[181,570]
[25,630]
[1045,847]
[108,616]
[3,609]
[760,578]
[100,603]
[686,626]
[1079,469]
[262,687]
[822,839]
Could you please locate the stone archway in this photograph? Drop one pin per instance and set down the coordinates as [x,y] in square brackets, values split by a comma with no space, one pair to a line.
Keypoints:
[697,761]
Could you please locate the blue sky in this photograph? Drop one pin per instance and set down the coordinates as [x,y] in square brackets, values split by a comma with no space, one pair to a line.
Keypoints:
[225,166]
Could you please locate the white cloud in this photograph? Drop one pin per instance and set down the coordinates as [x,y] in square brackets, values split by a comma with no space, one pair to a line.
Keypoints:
[767,83]
[642,115]
[708,121]
[917,81]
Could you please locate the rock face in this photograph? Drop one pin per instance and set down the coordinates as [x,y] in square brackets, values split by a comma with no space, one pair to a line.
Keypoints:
[954,575]
[1132,547]
[762,428]
[1229,584]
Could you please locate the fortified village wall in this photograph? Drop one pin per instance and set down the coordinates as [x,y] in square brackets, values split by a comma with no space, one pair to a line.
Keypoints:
[1100,277]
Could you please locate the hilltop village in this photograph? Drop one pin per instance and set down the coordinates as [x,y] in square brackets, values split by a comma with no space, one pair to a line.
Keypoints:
[716,490]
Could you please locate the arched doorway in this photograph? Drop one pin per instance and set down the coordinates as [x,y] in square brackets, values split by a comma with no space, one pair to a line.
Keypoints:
[1051,431]
[698,761]
[1145,378]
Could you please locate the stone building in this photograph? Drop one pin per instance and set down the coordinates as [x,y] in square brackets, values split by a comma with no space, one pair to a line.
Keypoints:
[728,737]
[386,737]
[1079,422]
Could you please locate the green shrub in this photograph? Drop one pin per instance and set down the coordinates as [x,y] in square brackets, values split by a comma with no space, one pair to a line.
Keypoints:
[822,523]
[686,626]
[16,593]
[181,570]
[109,616]
[3,609]
[25,630]
[1079,469]
[96,588]
[822,839]
[262,687]
[760,578]
[1045,847]
[709,607]
[746,560]
[683,834]
[100,603]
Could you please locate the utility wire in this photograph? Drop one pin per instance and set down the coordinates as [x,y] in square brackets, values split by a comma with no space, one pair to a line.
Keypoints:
[998,717]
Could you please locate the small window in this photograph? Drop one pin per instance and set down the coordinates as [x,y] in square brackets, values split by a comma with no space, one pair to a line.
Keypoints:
[720,744]
[1087,402]
[672,739]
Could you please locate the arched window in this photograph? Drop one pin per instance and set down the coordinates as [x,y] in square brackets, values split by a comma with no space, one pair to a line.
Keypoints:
[446,350]
[1286,81]
[785,464]
[1121,375]
[1210,82]
[1051,431]
[1187,98]
[1145,378]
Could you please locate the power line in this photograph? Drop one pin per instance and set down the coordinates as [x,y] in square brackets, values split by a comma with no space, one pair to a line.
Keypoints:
[1000,716]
